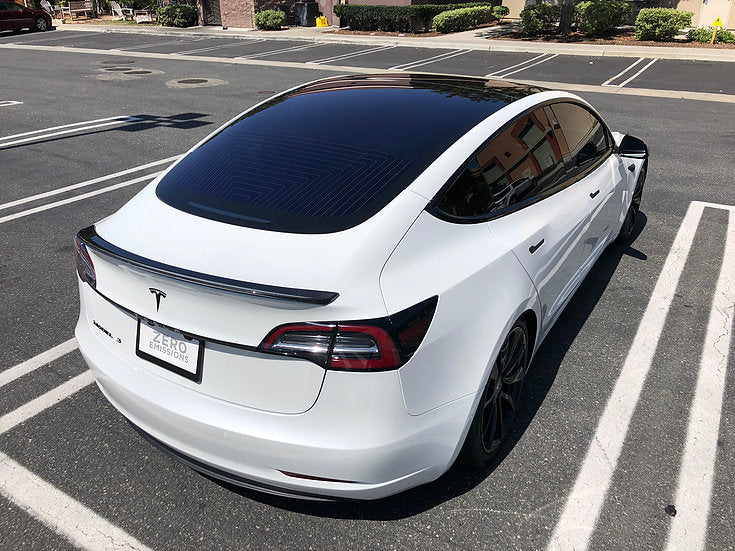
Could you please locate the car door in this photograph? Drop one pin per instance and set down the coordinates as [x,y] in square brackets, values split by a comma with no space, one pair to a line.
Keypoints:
[5,15]
[587,147]
[516,183]
[15,16]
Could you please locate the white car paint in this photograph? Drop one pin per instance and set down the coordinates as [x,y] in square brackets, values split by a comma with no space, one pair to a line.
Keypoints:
[256,416]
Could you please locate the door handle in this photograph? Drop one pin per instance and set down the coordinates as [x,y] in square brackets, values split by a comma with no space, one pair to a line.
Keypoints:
[533,248]
[593,195]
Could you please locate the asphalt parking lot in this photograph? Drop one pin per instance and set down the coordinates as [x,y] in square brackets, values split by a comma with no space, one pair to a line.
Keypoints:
[618,428]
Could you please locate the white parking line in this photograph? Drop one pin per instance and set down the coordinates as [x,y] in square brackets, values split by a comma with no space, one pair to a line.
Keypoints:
[11,374]
[504,75]
[52,128]
[282,50]
[86,183]
[514,66]
[351,54]
[154,44]
[41,208]
[221,46]
[577,522]
[64,515]
[426,61]
[46,133]
[638,73]
[45,401]
[9,102]
[83,527]
[689,526]
[621,73]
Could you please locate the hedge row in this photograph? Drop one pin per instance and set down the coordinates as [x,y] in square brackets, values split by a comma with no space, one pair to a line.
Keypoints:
[453,21]
[704,34]
[601,18]
[177,15]
[539,18]
[395,18]
[661,23]
[270,20]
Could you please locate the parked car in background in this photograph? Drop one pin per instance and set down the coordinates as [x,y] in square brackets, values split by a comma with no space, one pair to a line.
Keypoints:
[15,17]
[343,306]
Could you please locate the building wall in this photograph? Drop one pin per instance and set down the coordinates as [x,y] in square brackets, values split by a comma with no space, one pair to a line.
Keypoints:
[237,13]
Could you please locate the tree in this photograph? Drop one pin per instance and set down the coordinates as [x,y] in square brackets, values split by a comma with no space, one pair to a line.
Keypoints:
[567,15]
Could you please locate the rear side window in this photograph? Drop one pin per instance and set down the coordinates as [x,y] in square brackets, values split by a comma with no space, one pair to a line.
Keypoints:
[583,137]
[523,161]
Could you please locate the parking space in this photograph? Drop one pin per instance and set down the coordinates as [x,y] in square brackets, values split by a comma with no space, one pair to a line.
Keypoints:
[477,63]
[573,69]
[392,57]
[693,76]
[649,73]
[78,443]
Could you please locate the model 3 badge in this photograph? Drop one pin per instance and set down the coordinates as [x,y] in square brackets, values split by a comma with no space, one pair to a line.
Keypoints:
[159,295]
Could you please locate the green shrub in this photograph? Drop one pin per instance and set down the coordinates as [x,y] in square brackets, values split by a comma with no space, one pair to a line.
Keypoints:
[501,11]
[410,19]
[177,15]
[601,17]
[661,24]
[270,20]
[453,21]
[539,18]
[704,34]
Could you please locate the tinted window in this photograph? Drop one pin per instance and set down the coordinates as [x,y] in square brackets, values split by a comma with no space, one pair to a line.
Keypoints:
[583,138]
[521,162]
[10,6]
[328,156]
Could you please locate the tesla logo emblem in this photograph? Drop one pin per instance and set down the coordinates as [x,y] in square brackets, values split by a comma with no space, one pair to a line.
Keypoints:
[159,295]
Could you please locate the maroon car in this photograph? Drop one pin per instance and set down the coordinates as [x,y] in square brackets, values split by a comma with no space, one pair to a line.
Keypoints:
[14,17]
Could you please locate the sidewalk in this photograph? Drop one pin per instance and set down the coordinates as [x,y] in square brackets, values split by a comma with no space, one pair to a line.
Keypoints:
[472,40]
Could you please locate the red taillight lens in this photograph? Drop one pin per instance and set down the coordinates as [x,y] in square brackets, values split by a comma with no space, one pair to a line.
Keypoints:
[370,345]
[85,268]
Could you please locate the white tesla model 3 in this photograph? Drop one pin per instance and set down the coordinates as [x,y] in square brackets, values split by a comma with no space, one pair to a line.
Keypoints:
[338,293]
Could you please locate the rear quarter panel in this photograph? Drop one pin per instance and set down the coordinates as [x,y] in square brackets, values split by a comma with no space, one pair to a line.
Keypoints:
[482,290]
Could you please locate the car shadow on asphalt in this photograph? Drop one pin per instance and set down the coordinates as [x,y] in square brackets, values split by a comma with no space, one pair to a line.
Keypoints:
[541,376]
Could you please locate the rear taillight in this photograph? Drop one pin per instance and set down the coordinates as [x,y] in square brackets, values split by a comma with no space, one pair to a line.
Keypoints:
[368,345]
[85,268]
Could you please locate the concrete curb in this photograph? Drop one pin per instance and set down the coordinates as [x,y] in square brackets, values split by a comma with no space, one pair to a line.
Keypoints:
[457,41]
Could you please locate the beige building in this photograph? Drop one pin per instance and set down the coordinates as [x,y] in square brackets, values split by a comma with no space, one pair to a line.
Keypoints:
[705,11]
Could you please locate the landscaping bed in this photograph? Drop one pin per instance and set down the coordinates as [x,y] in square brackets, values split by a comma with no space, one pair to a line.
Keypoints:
[622,38]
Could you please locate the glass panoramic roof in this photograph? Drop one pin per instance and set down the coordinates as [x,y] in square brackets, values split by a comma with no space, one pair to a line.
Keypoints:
[329,155]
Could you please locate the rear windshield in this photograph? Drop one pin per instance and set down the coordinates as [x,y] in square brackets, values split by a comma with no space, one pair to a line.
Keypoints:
[324,161]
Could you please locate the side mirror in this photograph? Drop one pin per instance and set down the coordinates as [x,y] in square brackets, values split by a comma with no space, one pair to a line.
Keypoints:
[633,147]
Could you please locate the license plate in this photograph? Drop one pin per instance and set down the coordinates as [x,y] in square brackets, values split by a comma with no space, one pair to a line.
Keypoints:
[170,349]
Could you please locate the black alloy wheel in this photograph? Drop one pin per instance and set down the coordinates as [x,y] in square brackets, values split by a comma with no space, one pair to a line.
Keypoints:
[632,216]
[41,24]
[500,399]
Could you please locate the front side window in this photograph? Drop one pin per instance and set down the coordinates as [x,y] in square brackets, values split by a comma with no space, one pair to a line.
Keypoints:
[583,138]
[522,162]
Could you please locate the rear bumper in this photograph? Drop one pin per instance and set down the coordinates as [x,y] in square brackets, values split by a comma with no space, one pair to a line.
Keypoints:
[358,433]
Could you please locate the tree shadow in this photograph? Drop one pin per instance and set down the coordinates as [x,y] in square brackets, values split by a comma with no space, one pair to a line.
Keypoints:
[538,382]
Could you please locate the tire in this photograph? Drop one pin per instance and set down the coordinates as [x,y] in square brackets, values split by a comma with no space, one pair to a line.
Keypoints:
[499,402]
[632,215]
[40,24]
